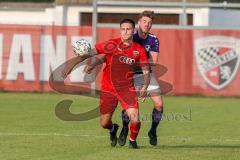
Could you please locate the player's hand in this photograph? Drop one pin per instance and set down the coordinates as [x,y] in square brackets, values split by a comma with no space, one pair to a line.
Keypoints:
[88,69]
[143,94]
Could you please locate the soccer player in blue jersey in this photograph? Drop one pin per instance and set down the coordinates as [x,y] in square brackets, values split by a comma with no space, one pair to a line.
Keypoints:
[151,45]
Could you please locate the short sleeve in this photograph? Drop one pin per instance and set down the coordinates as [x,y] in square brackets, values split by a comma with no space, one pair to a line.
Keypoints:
[107,47]
[155,45]
[100,47]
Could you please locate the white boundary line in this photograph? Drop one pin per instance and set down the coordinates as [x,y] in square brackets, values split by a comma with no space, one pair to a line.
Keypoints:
[71,135]
[48,134]
[96,136]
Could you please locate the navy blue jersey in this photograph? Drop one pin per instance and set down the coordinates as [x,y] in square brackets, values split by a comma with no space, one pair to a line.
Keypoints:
[151,43]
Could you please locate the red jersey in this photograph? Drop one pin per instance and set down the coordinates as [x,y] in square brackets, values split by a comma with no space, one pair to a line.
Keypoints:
[120,60]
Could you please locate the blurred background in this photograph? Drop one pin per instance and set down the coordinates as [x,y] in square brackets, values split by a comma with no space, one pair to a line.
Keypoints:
[199,48]
[36,37]
[79,12]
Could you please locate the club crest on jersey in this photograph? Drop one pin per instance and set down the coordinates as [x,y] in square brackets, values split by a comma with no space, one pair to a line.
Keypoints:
[147,48]
[217,59]
[135,54]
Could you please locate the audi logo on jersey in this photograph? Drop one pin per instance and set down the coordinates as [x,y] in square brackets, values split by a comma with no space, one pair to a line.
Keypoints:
[126,60]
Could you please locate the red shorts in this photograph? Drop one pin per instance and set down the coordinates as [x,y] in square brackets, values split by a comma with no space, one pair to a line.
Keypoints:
[109,100]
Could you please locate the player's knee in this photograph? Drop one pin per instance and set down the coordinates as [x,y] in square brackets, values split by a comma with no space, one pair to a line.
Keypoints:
[133,114]
[134,118]
[105,126]
[158,105]
[105,123]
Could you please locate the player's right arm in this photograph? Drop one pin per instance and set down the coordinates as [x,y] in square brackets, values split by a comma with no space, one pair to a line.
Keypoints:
[154,51]
[146,74]
[102,49]
[99,49]
[93,62]
[76,60]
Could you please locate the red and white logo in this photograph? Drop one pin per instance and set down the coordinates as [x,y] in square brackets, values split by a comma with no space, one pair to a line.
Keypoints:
[217,59]
[135,54]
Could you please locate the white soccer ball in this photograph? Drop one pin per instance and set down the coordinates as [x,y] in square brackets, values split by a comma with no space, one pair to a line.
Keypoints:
[81,47]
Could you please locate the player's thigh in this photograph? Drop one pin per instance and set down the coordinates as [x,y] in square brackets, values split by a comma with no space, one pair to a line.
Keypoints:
[153,87]
[128,97]
[129,103]
[157,100]
[155,93]
[108,103]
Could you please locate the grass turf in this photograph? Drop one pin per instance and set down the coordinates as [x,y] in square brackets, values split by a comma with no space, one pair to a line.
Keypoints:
[192,128]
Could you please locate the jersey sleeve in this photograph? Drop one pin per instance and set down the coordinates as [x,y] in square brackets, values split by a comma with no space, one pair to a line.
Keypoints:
[100,47]
[155,45]
[107,47]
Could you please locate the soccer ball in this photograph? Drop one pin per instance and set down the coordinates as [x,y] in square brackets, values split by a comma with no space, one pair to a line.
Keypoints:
[81,47]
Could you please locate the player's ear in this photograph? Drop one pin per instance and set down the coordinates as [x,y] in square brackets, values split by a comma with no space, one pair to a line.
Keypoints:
[151,26]
[138,23]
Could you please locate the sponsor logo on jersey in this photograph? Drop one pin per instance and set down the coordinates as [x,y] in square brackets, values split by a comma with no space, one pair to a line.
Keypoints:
[126,60]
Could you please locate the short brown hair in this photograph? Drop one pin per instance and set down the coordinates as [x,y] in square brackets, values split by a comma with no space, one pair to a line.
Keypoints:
[128,21]
[147,13]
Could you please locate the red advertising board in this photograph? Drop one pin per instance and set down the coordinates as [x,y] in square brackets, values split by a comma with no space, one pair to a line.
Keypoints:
[202,62]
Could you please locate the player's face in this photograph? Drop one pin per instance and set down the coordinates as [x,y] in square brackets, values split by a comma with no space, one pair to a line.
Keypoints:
[145,24]
[126,30]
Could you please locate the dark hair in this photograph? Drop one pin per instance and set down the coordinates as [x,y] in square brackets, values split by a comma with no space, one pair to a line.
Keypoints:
[128,21]
[147,13]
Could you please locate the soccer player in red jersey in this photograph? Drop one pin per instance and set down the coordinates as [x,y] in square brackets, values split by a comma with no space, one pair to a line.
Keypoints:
[151,44]
[122,54]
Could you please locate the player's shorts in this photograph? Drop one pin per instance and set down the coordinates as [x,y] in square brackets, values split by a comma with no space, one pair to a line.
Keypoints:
[109,100]
[153,86]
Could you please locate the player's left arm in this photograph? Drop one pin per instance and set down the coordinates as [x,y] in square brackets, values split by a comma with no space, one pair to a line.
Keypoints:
[146,80]
[146,74]
[154,52]
[154,57]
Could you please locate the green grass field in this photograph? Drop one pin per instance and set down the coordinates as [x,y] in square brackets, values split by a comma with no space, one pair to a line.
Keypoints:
[193,128]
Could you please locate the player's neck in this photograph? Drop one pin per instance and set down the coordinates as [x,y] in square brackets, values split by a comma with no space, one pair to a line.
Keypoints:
[127,42]
[142,35]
